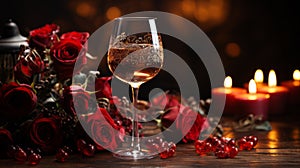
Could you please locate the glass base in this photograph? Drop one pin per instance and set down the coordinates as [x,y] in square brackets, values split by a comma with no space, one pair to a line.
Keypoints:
[130,154]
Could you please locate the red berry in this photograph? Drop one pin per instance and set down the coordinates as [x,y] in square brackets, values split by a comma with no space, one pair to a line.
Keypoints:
[171,152]
[254,139]
[222,151]
[225,140]
[164,145]
[164,154]
[89,150]
[203,147]
[231,142]
[61,155]
[248,145]
[154,147]
[158,140]
[20,155]
[215,142]
[241,143]
[81,144]
[233,151]
[221,154]
[198,143]
[34,159]
[172,145]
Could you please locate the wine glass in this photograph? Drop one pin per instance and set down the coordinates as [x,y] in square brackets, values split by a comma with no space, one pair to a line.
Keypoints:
[135,55]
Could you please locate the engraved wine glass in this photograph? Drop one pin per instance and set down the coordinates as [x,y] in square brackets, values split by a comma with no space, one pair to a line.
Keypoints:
[135,56]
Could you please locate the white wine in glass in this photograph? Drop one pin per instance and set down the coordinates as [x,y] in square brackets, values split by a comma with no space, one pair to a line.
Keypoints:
[135,55]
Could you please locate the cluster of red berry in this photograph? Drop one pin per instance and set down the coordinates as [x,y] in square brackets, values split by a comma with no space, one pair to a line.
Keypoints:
[22,155]
[158,144]
[84,148]
[225,147]
[34,156]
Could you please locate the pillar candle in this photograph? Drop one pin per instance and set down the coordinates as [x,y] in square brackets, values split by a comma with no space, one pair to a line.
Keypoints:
[252,102]
[228,92]
[294,89]
[278,94]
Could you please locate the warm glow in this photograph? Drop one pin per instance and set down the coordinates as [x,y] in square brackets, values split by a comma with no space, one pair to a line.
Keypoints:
[259,76]
[296,75]
[272,81]
[85,9]
[188,6]
[233,49]
[273,139]
[202,14]
[228,82]
[113,12]
[252,87]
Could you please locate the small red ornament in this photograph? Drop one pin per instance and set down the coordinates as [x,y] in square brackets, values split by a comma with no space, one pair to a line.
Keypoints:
[89,150]
[34,159]
[81,144]
[254,139]
[233,151]
[164,154]
[61,155]
[20,155]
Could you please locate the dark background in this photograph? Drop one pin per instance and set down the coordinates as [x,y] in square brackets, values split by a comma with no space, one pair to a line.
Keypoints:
[248,34]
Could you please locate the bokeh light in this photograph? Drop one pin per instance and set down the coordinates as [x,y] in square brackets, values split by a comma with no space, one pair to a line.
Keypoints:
[113,12]
[85,9]
[233,49]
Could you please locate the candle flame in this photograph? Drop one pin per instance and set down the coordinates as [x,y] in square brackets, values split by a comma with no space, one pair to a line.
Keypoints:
[296,75]
[228,82]
[252,87]
[259,76]
[272,81]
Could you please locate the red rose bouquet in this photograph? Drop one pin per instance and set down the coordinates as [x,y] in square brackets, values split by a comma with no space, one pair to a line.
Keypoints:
[39,110]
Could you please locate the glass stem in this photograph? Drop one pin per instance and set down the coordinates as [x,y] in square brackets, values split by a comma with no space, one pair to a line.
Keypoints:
[135,141]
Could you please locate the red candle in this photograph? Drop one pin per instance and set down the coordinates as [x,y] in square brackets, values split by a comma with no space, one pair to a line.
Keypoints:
[228,92]
[294,89]
[252,102]
[278,94]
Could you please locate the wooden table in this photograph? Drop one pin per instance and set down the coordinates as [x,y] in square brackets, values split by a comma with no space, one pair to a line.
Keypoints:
[279,147]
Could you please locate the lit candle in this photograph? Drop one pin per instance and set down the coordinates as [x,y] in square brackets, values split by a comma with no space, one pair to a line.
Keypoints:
[278,94]
[228,91]
[294,89]
[258,78]
[252,102]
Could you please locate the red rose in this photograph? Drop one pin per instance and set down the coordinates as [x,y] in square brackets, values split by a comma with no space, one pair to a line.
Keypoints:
[27,66]
[165,101]
[16,100]
[103,87]
[190,123]
[79,36]
[76,100]
[65,54]
[43,37]
[46,133]
[5,140]
[103,130]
